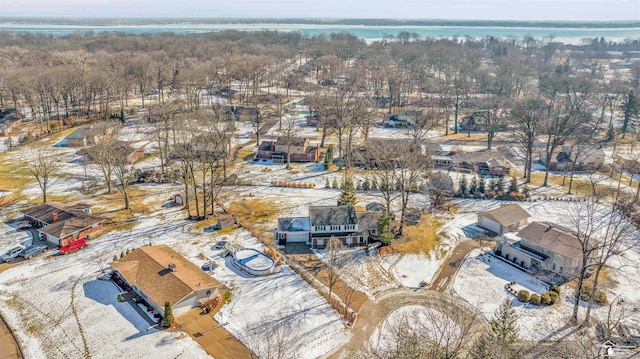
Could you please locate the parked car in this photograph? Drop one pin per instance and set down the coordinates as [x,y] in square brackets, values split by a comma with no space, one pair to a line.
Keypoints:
[33,250]
[11,254]
[73,246]
[208,266]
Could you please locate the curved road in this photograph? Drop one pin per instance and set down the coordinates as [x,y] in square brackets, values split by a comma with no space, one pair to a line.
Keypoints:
[373,312]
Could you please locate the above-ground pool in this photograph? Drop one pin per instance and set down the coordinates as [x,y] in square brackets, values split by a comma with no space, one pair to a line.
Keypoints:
[253,261]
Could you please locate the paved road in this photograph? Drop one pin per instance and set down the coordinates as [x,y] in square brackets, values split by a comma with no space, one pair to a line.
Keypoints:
[375,311]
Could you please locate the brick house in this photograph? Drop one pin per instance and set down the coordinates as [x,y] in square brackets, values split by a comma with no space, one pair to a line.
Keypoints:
[159,274]
[482,162]
[590,158]
[90,135]
[276,151]
[59,224]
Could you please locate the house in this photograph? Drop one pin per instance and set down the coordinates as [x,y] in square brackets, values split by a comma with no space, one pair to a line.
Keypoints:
[5,197]
[400,120]
[481,162]
[476,121]
[207,144]
[9,122]
[241,113]
[325,222]
[60,224]
[589,159]
[544,246]
[133,154]
[385,152]
[505,218]
[159,274]
[276,151]
[90,135]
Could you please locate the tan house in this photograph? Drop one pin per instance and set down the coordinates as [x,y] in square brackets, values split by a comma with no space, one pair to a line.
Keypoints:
[159,274]
[90,135]
[60,224]
[505,218]
[544,246]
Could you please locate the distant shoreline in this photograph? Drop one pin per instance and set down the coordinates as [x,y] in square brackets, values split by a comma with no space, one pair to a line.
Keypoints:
[110,21]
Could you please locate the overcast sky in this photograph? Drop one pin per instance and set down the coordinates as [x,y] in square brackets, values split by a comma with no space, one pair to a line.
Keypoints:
[396,9]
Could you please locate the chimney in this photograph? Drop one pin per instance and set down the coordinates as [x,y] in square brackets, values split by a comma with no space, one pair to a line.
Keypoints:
[172,267]
[54,216]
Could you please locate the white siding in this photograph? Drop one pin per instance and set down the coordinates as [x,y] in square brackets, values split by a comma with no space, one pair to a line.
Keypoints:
[490,225]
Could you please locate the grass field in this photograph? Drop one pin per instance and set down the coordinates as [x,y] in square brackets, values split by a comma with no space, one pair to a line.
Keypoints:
[421,238]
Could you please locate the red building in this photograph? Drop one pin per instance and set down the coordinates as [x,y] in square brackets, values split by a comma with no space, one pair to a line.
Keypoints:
[276,151]
[60,224]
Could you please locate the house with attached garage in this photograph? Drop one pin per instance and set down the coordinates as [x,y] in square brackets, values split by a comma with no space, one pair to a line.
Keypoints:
[544,246]
[61,224]
[326,222]
[158,274]
[505,218]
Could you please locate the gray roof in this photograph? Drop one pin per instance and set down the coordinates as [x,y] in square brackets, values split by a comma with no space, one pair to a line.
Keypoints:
[332,215]
[506,215]
[296,224]
[79,133]
[553,238]
[368,220]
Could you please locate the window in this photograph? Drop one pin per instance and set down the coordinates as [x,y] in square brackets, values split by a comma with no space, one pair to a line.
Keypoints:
[335,228]
[350,227]
[208,292]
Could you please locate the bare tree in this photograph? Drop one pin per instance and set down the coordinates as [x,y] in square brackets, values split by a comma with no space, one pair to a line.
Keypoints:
[100,154]
[122,169]
[44,166]
[289,133]
[527,118]
[334,249]
[275,337]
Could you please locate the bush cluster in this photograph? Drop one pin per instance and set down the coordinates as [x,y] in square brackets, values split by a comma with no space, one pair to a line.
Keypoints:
[293,184]
[599,297]
[523,295]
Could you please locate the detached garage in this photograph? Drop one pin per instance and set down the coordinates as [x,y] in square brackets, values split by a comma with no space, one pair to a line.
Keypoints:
[293,230]
[503,219]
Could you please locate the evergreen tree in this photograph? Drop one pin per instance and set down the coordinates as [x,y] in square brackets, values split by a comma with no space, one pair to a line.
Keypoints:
[513,188]
[463,184]
[384,234]
[503,328]
[473,187]
[168,320]
[327,184]
[482,348]
[348,195]
[328,157]
[501,183]
[335,184]
[493,184]
[481,185]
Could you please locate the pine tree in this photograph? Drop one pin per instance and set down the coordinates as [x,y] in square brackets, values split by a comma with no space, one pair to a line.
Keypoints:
[503,328]
[482,348]
[168,320]
[481,185]
[348,195]
[384,235]
[327,184]
[328,157]
[513,188]
[463,184]
[335,184]
[473,187]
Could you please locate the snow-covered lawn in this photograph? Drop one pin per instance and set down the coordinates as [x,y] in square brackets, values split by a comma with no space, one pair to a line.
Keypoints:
[481,281]
[281,303]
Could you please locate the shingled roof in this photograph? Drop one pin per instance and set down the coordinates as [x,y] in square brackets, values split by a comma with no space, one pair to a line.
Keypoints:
[507,214]
[332,215]
[70,219]
[553,238]
[148,269]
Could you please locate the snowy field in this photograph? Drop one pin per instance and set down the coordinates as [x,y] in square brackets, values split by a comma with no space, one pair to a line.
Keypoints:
[41,296]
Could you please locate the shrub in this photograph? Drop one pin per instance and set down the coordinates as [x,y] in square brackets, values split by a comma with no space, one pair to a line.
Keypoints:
[120,298]
[554,297]
[599,297]
[227,297]
[555,288]
[545,299]
[523,295]
[535,299]
[115,258]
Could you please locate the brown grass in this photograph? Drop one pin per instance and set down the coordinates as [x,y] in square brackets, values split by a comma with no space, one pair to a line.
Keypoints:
[463,136]
[253,210]
[421,238]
